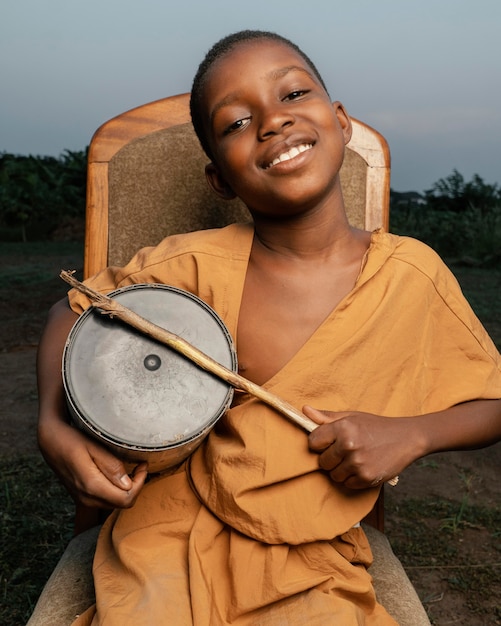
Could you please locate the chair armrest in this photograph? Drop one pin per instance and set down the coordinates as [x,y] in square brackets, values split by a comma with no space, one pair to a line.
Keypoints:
[70,588]
[393,588]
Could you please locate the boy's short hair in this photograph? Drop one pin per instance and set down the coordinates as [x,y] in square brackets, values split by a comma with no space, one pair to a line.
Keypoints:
[218,50]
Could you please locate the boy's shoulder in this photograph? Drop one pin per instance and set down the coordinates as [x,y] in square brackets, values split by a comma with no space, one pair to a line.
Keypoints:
[410,264]
[233,239]
[415,254]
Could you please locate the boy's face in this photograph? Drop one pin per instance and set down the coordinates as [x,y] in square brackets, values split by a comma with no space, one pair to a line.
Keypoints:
[277,140]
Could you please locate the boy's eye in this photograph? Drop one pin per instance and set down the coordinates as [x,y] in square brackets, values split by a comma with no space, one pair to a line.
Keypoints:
[297,93]
[237,125]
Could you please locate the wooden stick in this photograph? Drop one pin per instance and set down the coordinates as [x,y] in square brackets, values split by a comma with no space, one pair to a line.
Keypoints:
[177,343]
[115,309]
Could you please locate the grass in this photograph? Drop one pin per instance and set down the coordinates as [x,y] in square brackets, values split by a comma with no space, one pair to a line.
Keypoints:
[36,522]
[435,544]
[482,289]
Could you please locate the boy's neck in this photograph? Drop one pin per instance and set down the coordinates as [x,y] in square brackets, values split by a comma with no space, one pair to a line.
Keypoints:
[304,237]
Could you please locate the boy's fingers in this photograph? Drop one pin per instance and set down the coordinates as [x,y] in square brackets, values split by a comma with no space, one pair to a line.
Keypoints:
[115,471]
[139,475]
[319,417]
[105,493]
[323,417]
[325,435]
[330,459]
[112,468]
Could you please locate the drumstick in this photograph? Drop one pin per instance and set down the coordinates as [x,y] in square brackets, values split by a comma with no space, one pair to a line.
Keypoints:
[177,343]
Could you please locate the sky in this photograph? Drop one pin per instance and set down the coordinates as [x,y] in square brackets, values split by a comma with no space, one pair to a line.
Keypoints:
[425,73]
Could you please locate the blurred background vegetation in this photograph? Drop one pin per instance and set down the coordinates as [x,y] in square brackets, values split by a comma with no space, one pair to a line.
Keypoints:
[460,219]
[42,198]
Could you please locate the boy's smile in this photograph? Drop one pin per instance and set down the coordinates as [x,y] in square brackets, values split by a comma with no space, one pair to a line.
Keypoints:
[277,140]
[290,154]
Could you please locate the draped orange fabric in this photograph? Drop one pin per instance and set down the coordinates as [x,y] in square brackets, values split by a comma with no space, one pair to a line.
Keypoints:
[249,531]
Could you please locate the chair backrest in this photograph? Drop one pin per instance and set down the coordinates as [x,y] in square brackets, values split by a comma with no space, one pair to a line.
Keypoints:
[146,181]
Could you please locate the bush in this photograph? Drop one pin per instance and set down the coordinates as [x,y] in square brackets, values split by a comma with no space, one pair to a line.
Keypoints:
[461,221]
[38,194]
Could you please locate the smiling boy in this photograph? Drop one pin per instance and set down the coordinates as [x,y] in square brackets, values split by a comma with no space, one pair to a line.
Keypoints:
[277,142]
[261,525]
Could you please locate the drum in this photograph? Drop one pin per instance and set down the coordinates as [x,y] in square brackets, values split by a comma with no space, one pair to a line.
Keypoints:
[140,398]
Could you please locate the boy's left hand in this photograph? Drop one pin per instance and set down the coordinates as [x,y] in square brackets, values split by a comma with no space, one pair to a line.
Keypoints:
[361,450]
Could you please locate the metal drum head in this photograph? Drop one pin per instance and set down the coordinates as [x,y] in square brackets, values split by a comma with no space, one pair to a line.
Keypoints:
[132,391]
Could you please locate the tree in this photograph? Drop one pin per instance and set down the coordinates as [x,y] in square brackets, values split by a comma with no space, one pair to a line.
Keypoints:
[39,193]
[461,220]
[455,194]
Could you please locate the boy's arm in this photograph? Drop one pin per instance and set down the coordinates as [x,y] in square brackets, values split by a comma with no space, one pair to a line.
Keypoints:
[362,450]
[92,475]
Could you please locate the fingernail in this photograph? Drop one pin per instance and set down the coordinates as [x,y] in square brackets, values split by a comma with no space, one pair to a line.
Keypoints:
[126,481]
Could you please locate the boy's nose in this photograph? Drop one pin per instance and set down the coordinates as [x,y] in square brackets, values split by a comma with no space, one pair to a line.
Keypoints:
[274,121]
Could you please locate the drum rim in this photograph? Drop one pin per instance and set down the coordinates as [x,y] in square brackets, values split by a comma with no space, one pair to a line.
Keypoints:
[77,413]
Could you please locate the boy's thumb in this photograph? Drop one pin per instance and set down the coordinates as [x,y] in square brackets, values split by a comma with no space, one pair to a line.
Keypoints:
[319,417]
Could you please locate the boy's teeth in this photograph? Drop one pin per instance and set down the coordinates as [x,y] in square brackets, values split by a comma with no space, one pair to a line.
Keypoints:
[290,154]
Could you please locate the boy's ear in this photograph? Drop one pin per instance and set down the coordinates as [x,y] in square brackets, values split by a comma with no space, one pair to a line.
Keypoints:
[218,183]
[344,120]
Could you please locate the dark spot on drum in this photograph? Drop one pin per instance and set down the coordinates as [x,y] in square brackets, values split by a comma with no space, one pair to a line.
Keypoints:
[152,362]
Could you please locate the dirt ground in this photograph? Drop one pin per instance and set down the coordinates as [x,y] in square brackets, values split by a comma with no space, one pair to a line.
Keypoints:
[451,476]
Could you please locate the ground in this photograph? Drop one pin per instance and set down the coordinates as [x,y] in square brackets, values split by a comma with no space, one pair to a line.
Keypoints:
[443,517]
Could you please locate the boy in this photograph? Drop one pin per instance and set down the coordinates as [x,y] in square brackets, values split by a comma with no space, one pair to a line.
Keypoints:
[369,328]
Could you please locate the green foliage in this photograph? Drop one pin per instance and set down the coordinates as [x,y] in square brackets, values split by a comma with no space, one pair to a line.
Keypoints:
[38,194]
[455,194]
[460,220]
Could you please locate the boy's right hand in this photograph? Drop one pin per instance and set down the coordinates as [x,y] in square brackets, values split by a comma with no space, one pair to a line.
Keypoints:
[93,475]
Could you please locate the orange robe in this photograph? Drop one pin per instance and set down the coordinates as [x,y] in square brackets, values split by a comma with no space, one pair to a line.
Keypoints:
[249,531]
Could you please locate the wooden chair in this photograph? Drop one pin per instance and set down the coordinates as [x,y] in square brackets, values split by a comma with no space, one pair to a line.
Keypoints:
[145,181]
